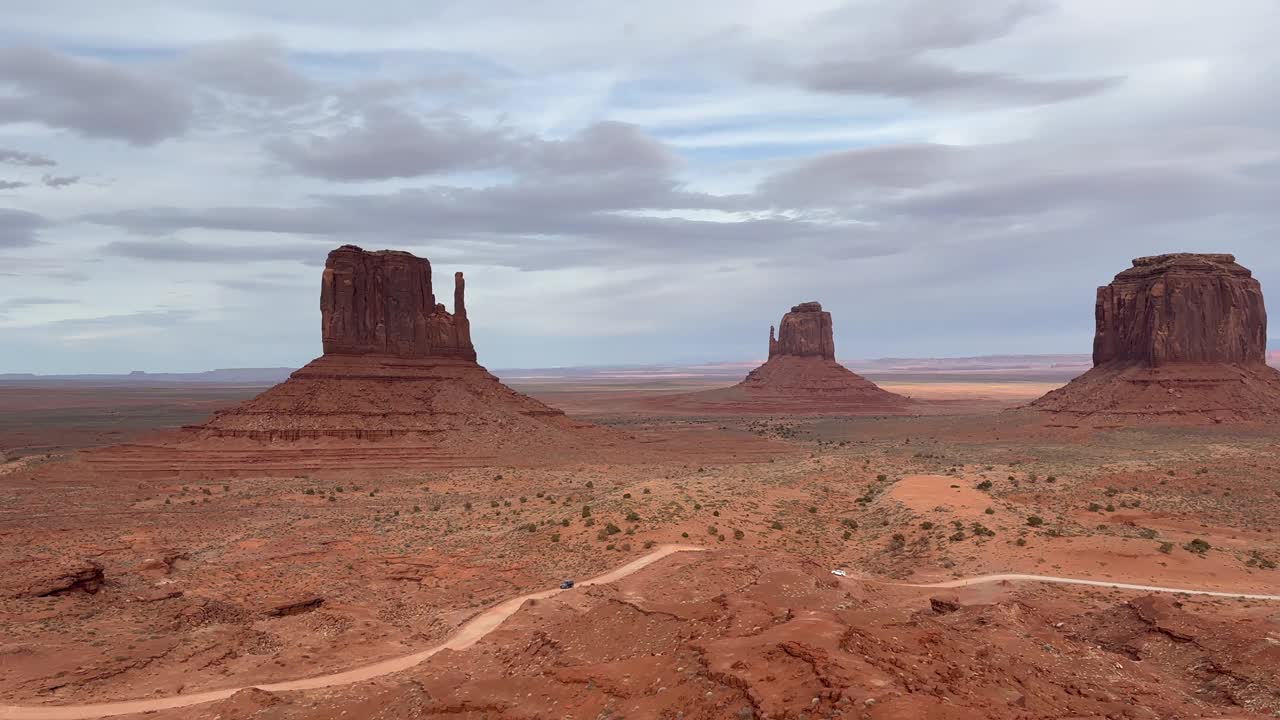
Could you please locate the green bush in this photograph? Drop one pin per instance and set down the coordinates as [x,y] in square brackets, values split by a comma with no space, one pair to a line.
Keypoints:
[1035,521]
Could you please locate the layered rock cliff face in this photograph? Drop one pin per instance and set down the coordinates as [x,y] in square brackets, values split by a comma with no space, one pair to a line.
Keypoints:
[801,377]
[381,303]
[1181,308]
[1179,337]
[804,332]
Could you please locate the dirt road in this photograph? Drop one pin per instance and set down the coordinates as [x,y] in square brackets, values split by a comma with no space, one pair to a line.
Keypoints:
[466,636]
[1015,577]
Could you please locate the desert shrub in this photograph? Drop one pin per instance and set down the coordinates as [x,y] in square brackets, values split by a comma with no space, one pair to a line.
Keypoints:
[646,491]
[1110,507]
[633,516]
[990,511]
[711,530]
[697,506]
[715,513]
[1094,507]
[467,506]
[1051,478]
[926,525]
[777,525]
[436,508]
[898,541]
[524,499]
[609,546]
[555,537]
[882,477]
[417,509]
[493,503]
[738,534]
[956,536]
[586,511]
[684,535]
[626,496]
[984,485]
[1021,542]
[531,527]
[847,535]
[648,544]
[309,491]
[589,522]
[1166,547]
[612,529]
[1147,534]
[1197,546]
[982,530]
[590,484]
[720,537]
[849,523]
[564,522]
[1035,521]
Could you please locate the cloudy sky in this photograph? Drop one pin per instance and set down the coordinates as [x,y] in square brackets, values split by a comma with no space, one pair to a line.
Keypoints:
[621,182]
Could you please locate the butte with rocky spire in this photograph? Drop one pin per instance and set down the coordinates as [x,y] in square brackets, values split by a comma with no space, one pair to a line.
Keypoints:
[398,383]
[801,375]
[1179,337]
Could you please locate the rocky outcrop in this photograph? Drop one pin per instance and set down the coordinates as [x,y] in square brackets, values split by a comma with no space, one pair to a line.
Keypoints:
[398,385]
[1181,308]
[801,376]
[62,578]
[804,332]
[293,606]
[1179,337]
[381,303]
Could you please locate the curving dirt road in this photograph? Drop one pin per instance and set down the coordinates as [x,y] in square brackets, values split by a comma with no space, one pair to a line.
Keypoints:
[484,623]
[466,636]
[1017,577]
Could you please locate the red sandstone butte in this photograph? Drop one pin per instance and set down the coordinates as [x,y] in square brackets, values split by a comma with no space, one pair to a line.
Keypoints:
[801,376]
[398,371]
[1179,337]
[381,303]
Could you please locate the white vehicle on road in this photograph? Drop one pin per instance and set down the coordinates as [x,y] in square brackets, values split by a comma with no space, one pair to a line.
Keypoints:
[840,573]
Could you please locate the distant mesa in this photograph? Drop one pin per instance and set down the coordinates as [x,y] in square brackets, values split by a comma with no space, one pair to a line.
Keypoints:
[800,376]
[398,369]
[1179,337]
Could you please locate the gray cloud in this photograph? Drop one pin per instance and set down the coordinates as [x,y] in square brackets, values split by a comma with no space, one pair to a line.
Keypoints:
[90,97]
[171,250]
[18,303]
[886,48]
[60,181]
[934,82]
[18,228]
[601,148]
[392,143]
[909,27]
[12,184]
[254,66]
[17,157]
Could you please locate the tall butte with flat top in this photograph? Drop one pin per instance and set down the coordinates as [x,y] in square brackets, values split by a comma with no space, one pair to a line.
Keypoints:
[396,366]
[801,375]
[1178,337]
